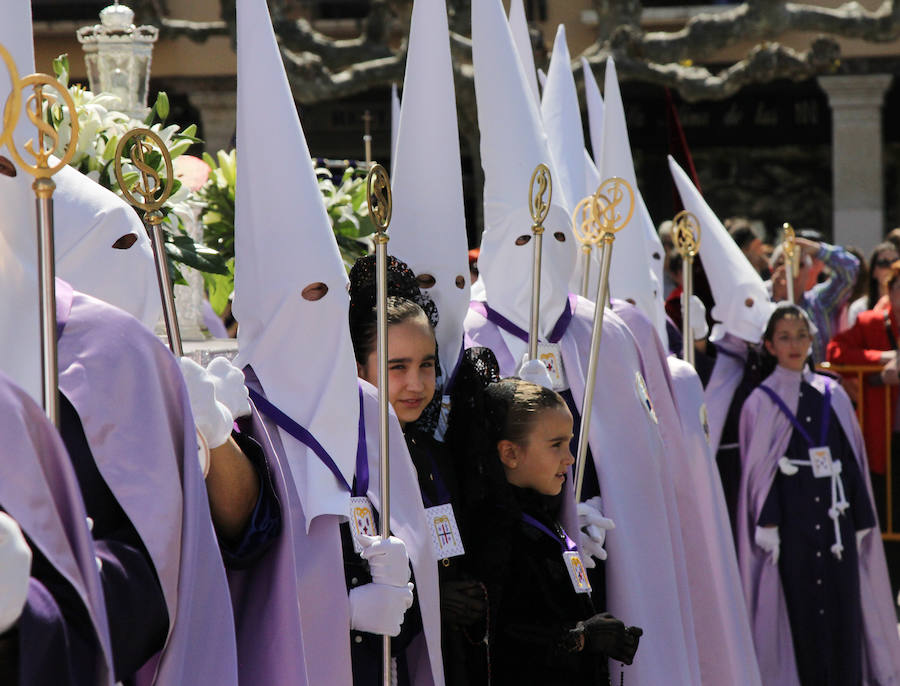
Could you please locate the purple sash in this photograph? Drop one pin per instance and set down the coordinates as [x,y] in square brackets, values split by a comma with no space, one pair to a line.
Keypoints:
[361,483]
[826,419]
[495,317]
[568,545]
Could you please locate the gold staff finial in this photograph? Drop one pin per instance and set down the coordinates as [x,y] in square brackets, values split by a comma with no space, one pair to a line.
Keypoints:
[540,194]
[791,258]
[541,185]
[686,234]
[137,145]
[610,197]
[379,198]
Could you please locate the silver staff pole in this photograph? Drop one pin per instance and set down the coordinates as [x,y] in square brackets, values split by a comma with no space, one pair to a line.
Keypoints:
[378,187]
[686,232]
[611,194]
[154,193]
[789,249]
[36,106]
[541,184]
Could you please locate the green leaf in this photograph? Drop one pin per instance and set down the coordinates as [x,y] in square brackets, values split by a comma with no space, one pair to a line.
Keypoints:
[61,69]
[182,248]
[219,288]
[162,106]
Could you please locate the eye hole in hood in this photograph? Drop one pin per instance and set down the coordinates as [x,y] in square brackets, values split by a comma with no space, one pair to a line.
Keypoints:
[425,280]
[6,167]
[125,242]
[314,291]
[523,239]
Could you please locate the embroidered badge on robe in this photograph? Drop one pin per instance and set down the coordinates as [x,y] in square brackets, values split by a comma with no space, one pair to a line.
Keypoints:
[577,573]
[820,461]
[551,355]
[445,538]
[362,520]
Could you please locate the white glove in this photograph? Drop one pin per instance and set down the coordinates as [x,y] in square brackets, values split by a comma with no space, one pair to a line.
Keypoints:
[230,388]
[15,569]
[594,527]
[379,609]
[699,327]
[535,371]
[212,418]
[388,560]
[768,539]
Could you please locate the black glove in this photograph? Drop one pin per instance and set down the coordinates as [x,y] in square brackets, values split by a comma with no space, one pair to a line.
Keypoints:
[462,602]
[603,634]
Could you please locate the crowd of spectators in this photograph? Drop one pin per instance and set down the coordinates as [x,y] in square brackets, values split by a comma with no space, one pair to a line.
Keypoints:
[854,305]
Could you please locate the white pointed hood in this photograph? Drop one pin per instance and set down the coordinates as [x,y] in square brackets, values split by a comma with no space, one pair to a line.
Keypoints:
[19,319]
[518,24]
[631,276]
[561,115]
[431,236]
[513,143]
[102,248]
[742,302]
[395,124]
[299,348]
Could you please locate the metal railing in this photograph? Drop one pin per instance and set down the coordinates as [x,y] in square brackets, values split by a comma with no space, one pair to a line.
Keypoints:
[860,372]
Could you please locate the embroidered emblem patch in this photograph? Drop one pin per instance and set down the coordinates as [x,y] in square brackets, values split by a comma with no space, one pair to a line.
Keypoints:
[362,520]
[445,538]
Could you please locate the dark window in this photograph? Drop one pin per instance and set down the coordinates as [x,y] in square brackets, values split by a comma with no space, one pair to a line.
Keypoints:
[536,10]
[67,10]
[341,9]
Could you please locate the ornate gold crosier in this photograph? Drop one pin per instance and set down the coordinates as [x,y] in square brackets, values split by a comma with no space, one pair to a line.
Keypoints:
[380,203]
[149,192]
[686,234]
[46,93]
[612,207]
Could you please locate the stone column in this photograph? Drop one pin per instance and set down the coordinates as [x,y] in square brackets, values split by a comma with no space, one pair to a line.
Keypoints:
[856,157]
[218,113]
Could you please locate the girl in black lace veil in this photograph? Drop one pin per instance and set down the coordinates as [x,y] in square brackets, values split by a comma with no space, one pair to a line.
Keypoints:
[403,291]
[412,352]
[539,629]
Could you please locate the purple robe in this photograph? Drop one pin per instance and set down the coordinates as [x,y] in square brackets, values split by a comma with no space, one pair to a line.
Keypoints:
[628,453]
[763,593]
[39,490]
[727,655]
[321,588]
[130,397]
[264,597]
[720,623]
[724,380]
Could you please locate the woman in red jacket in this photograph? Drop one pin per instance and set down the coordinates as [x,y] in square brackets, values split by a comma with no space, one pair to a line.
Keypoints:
[873,339]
